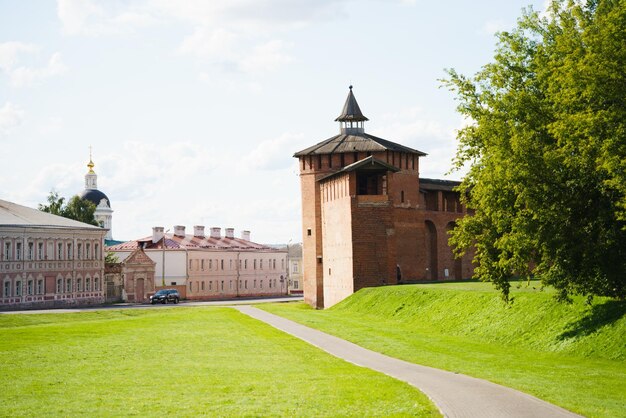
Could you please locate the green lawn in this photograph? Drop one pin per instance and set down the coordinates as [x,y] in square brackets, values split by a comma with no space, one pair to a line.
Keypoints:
[570,355]
[182,362]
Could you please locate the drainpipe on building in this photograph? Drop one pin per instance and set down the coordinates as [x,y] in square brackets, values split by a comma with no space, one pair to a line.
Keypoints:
[237,280]
[163,260]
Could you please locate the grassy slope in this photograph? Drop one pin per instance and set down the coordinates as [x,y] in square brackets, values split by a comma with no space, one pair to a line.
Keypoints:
[184,361]
[571,355]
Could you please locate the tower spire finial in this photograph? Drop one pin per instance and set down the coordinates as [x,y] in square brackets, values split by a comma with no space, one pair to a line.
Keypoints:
[90,165]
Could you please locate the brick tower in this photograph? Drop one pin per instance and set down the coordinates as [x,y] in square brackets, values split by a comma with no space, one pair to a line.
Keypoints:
[322,168]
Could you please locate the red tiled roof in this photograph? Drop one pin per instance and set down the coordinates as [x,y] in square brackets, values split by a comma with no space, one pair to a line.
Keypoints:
[173,242]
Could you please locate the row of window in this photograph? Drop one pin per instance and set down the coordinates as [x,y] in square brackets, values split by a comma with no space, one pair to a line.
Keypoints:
[215,264]
[219,285]
[84,251]
[37,287]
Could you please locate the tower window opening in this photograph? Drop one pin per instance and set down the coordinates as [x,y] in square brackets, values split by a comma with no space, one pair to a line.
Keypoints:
[342,159]
[402,196]
[370,183]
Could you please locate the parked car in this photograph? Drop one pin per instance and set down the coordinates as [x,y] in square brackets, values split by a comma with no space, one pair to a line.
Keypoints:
[165,296]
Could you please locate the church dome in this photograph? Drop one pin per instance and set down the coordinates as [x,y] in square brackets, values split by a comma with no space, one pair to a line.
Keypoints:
[94,196]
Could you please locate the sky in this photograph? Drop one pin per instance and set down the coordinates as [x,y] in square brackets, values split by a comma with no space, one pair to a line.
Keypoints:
[194,109]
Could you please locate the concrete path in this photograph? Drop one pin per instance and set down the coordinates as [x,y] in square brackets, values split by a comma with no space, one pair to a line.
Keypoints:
[455,395]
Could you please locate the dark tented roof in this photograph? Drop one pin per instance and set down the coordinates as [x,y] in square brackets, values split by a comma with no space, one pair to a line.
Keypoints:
[363,142]
[351,110]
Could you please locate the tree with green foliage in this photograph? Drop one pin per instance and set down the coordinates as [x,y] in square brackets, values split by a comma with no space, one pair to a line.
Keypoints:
[546,149]
[78,209]
[111,258]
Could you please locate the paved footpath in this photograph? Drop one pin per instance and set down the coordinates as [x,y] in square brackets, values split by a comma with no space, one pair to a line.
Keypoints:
[455,395]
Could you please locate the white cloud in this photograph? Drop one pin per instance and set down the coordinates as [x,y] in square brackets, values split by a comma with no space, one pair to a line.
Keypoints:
[413,127]
[494,26]
[86,17]
[235,35]
[267,57]
[11,116]
[9,52]
[206,42]
[27,76]
[21,75]
[273,154]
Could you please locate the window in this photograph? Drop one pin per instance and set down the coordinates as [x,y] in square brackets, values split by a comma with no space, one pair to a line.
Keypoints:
[270,283]
[210,264]
[79,285]
[245,284]
[295,284]
[18,288]
[222,285]
[59,286]
[308,232]
[231,264]
[190,286]
[88,251]
[70,255]
[274,264]
[7,289]
[230,283]
[7,250]
[261,284]
[261,264]
[68,285]
[30,250]
[401,196]
[202,268]
[245,264]
[254,284]
[79,251]
[96,251]
[87,284]
[203,285]
[255,263]
[294,267]
[39,287]
[190,261]
[60,251]
[96,284]
[222,264]
[18,251]
[211,285]
[40,250]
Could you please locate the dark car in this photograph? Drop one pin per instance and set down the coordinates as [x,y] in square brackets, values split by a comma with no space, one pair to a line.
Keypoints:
[165,296]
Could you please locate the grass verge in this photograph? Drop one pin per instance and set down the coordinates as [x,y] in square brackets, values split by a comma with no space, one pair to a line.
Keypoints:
[570,355]
[182,362]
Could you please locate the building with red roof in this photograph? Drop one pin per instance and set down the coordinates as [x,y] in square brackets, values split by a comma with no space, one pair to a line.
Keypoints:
[212,266]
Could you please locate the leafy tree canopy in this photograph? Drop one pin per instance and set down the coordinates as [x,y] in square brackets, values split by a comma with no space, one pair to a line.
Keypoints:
[78,209]
[111,258]
[546,149]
